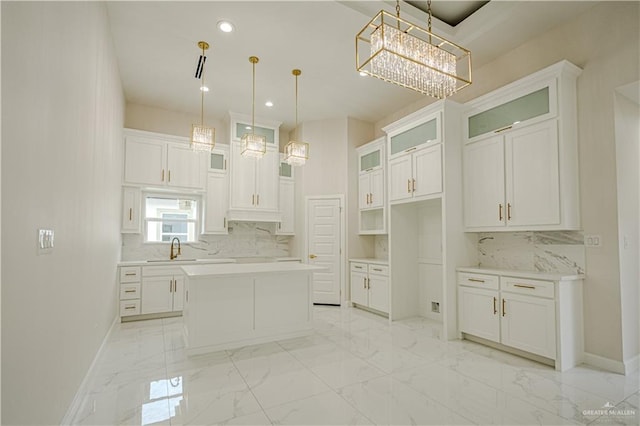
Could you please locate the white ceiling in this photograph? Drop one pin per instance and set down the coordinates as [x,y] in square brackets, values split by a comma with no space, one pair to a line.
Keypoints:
[156,48]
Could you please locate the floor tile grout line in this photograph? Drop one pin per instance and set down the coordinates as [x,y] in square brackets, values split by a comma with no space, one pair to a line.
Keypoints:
[250,390]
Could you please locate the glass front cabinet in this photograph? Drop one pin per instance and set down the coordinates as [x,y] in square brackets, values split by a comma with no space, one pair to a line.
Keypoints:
[371,187]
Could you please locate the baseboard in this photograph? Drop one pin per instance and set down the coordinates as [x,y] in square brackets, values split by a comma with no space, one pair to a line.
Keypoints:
[76,404]
[604,363]
[632,365]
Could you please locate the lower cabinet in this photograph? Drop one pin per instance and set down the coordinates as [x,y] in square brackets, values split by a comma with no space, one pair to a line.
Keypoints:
[370,285]
[524,313]
[162,289]
[129,290]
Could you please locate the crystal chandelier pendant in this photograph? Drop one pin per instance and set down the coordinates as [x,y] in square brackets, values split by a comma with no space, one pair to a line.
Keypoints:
[203,138]
[253,145]
[296,153]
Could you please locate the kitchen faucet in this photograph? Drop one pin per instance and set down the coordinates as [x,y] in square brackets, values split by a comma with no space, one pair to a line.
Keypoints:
[174,256]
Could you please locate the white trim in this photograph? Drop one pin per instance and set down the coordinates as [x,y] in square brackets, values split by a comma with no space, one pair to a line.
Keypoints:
[76,404]
[343,238]
[604,363]
[632,365]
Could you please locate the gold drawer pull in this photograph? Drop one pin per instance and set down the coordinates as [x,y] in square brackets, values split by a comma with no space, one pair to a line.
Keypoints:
[358,267]
[504,311]
[508,211]
[500,212]
[532,287]
[495,309]
[475,280]
[130,213]
[378,270]
[130,291]
[130,307]
[130,274]
[409,185]
[503,129]
[411,149]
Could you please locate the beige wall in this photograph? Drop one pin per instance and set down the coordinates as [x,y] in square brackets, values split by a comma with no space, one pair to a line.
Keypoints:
[605,43]
[62,117]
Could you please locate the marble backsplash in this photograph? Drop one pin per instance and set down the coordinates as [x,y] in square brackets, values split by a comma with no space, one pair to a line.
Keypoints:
[548,251]
[245,239]
[381,247]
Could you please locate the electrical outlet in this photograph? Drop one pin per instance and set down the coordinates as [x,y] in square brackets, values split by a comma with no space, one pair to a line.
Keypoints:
[435,307]
[45,241]
[593,241]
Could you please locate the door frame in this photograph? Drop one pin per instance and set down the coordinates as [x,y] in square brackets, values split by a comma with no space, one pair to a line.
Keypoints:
[343,239]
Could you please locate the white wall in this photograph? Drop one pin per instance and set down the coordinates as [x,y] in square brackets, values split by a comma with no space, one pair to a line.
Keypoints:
[605,43]
[627,137]
[62,117]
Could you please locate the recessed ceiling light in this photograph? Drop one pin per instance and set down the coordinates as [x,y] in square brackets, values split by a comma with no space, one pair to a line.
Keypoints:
[247,127]
[204,88]
[363,74]
[225,26]
[269,104]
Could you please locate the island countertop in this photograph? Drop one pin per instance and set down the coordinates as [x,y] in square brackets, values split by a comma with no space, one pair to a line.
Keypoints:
[247,269]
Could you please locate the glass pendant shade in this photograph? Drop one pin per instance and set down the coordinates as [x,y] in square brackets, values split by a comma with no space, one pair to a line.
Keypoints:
[253,145]
[400,52]
[296,153]
[202,137]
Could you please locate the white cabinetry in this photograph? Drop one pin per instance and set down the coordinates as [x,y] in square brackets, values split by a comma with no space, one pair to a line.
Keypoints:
[370,286]
[217,196]
[371,188]
[286,226]
[520,158]
[254,182]
[130,210]
[162,289]
[162,161]
[129,291]
[415,165]
[542,317]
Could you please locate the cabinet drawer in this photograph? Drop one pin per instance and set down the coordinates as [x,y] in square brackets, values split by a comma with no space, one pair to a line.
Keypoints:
[359,267]
[129,274]
[129,291]
[129,307]
[379,269]
[159,271]
[528,286]
[478,280]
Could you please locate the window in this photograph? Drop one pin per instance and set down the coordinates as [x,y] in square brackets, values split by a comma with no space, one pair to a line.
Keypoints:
[167,217]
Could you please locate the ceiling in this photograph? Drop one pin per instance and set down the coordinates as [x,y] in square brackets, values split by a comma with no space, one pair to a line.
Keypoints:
[157,53]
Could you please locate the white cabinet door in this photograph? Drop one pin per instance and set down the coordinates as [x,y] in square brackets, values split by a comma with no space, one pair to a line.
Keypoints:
[157,294]
[267,180]
[130,210]
[287,207]
[376,188]
[427,171]
[532,175]
[178,292]
[363,191]
[216,203]
[243,178]
[144,161]
[378,292]
[359,292]
[478,313]
[400,178]
[528,323]
[483,170]
[185,167]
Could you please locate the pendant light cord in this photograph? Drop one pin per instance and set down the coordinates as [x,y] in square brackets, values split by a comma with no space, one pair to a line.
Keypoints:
[202,95]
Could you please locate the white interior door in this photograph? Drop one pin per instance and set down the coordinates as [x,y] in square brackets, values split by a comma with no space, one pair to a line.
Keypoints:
[323,248]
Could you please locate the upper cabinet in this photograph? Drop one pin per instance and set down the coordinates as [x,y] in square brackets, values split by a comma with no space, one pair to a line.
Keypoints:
[520,159]
[217,195]
[371,187]
[161,161]
[286,226]
[415,163]
[254,182]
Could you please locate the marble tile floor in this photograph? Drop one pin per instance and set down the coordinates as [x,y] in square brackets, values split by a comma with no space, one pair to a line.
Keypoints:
[356,368]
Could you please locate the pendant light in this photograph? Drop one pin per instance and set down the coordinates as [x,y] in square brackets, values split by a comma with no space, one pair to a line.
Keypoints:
[296,153]
[253,145]
[203,138]
[400,52]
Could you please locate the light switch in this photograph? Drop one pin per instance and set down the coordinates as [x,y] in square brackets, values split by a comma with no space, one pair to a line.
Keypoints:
[593,241]
[45,241]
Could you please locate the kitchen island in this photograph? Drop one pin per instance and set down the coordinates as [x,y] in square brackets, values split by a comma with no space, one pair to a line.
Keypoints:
[233,305]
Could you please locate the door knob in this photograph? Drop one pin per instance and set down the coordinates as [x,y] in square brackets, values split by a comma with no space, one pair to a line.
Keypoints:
[312,256]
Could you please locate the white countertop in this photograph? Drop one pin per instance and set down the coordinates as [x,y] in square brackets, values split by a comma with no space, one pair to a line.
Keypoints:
[522,274]
[247,268]
[372,260]
[178,262]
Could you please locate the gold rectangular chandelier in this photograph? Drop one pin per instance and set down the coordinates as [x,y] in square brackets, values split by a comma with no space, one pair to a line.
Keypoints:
[399,52]
[203,138]
[253,145]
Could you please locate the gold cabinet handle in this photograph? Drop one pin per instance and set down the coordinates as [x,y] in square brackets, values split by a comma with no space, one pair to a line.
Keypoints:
[371,198]
[312,256]
[500,212]
[410,149]
[508,211]
[169,178]
[130,291]
[358,267]
[258,199]
[253,199]
[413,186]
[368,283]
[503,129]
[130,213]
[377,270]
[130,274]
[130,307]
[503,308]
[162,179]
[531,287]
[171,286]
[475,280]
[495,309]
[224,222]
[409,185]
[364,282]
